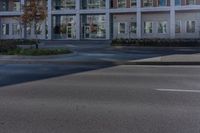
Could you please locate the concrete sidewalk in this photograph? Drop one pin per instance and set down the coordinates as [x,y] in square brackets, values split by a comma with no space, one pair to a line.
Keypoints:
[193,59]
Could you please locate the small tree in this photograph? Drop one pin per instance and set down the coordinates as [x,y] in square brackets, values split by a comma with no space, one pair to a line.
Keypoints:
[34,12]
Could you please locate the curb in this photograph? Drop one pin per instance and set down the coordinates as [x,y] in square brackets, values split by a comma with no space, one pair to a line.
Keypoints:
[99,62]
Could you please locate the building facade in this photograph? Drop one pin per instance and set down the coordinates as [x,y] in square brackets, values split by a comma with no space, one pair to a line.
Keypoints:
[105,19]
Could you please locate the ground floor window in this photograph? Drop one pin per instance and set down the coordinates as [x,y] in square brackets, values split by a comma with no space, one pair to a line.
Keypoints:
[64,27]
[148,27]
[93,26]
[5,29]
[121,28]
[28,29]
[162,27]
[178,26]
[190,26]
[16,29]
[38,28]
[133,27]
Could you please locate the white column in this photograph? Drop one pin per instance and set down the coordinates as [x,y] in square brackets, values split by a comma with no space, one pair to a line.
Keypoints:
[172,19]
[78,26]
[107,24]
[78,23]
[49,19]
[22,2]
[139,19]
[0,28]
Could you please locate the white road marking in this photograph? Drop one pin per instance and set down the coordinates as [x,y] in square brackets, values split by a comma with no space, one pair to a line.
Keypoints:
[179,90]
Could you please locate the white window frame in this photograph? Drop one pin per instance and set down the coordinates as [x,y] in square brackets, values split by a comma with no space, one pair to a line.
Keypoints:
[36,30]
[162,27]
[148,3]
[186,28]
[180,22]
[131,27]
[13,30]
[121,7]
[131,3]
[119,28]
[178,5]
[7,24]
[161,5]
[195,2]
[144,30]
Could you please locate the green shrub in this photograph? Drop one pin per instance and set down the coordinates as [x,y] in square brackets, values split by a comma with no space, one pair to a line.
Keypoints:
[7,47]
[157,42]
[18,42]
[36,52]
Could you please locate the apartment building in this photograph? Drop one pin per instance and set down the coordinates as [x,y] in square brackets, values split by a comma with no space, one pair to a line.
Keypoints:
[105,19]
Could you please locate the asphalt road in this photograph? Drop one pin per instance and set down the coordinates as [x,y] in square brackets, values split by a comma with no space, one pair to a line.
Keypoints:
[121,99]
[19,73]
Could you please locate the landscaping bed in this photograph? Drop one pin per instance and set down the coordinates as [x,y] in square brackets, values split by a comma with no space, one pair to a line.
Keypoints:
[11,47]
[36,52]
[157,42]
[18,42]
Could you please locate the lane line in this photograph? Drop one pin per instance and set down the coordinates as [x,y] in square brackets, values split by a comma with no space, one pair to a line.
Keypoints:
[179,90]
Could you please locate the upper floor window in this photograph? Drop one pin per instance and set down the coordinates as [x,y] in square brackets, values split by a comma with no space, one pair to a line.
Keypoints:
[64,4]
[92,4]
[162,3]
[121,3]
[190,2]
[133,3]
[16,6]
[147,3]
[177,2]
[190,26]
[4,5]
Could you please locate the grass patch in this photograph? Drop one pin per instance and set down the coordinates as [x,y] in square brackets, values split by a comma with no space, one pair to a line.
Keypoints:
[36,52]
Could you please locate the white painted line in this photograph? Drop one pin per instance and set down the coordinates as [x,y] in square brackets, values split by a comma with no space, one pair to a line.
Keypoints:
[179,90]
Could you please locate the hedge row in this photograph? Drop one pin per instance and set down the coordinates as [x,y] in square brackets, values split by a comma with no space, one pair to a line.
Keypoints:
[7,45]
[18,42]
[157,42]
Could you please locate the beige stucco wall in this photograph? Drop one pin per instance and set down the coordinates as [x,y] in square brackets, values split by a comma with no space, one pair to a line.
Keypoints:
[126,18]
[156,18]
[11,21]
[184,17]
